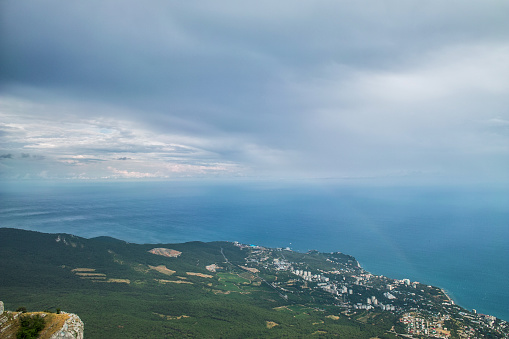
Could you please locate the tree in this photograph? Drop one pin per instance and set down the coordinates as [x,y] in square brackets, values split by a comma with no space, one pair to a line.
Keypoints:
[30,326]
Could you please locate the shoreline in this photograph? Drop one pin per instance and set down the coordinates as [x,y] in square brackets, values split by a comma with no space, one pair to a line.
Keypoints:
[449,294]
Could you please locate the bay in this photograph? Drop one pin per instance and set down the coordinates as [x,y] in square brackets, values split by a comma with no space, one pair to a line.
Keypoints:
[452,237]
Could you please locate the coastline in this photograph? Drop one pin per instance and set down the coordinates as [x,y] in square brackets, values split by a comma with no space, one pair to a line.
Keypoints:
[423,241]
[447,294]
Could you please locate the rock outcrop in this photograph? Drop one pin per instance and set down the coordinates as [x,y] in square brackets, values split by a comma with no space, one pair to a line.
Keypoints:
[72,328]
[57,326]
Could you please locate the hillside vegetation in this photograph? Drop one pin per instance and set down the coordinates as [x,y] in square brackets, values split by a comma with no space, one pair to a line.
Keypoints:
[195,289]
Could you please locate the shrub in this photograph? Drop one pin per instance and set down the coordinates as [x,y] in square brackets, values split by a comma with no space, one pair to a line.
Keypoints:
[30,326]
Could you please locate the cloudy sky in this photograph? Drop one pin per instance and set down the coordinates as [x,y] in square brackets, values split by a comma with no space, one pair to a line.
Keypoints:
[104,89]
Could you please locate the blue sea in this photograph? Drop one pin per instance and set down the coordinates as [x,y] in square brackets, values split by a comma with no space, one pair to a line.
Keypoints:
[453,237]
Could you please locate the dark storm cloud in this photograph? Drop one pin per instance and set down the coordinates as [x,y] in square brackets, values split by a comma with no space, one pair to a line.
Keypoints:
[207,61]
[307,87]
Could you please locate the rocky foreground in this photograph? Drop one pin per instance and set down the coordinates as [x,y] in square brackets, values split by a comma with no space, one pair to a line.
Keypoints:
[56,326]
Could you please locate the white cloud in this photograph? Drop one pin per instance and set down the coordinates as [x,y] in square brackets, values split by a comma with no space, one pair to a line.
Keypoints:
[133,174]
[95,144]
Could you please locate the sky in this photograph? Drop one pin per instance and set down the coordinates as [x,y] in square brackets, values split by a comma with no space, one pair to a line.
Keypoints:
[163,89]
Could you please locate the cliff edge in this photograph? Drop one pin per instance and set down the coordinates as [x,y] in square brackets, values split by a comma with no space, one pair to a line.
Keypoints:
[56,326]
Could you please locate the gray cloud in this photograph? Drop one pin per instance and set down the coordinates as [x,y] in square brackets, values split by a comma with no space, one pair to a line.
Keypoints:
[297,89]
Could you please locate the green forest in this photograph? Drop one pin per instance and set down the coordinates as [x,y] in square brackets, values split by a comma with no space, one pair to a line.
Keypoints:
[39,272]
[218,290]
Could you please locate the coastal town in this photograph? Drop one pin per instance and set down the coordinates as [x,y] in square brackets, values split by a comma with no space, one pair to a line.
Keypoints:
[339,280]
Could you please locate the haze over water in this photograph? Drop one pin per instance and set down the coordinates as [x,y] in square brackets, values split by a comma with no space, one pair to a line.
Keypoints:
[451,237]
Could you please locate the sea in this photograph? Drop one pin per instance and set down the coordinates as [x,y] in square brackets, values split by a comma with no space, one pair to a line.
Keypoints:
[455,237]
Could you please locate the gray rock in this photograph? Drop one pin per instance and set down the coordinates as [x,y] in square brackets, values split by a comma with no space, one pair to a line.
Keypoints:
[72,329]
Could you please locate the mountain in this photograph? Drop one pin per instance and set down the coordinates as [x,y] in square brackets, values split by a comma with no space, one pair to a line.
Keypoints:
[220,289]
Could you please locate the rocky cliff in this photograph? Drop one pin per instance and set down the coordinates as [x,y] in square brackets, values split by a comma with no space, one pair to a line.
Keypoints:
[72,328]
[57,326]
